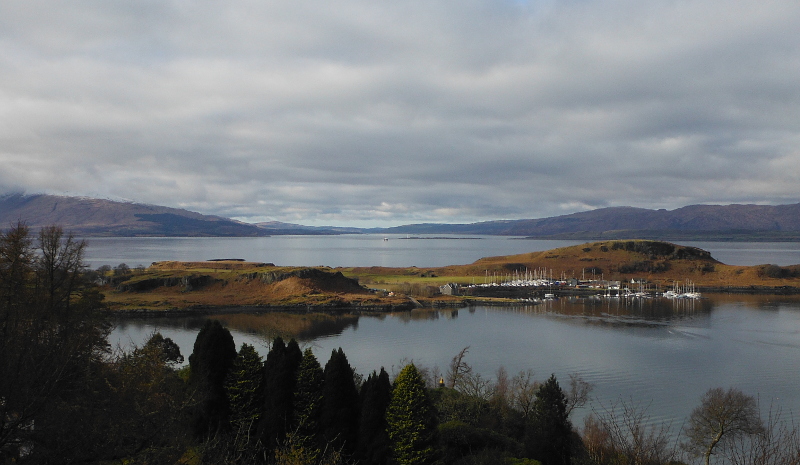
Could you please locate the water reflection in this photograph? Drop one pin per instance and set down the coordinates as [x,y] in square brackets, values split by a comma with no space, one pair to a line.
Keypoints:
[267,326]
[662,352]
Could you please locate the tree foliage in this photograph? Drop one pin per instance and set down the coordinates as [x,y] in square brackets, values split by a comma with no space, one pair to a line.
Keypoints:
[280,371]
[549,436]
[339,414]
[308,404]
[52,339]
[211,360]
[244,389]
[411,420]
[373,439]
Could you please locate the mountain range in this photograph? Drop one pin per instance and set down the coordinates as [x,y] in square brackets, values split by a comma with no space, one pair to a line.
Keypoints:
[101,217]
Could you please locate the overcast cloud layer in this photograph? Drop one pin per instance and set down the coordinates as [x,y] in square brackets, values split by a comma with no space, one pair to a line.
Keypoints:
[359,112]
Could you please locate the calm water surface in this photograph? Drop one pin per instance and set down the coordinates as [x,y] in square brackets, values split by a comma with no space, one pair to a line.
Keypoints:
[372,250]
[657,353]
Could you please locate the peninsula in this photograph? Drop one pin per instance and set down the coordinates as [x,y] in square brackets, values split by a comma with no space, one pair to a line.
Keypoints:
[227,284]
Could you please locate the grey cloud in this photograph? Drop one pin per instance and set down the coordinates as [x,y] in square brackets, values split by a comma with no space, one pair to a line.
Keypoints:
[405,111]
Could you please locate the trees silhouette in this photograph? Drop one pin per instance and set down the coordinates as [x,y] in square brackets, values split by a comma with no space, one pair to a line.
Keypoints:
[211,360]
[339,413]
[280,371]
[373,438]
[308,405]
[52,340]
[244,387]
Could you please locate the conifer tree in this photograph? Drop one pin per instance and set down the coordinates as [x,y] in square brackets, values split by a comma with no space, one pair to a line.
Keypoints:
[211,359]
[280,371]
[411,420]
[308,404]
[244,387]
[373,439]
[339,415]
[549,435]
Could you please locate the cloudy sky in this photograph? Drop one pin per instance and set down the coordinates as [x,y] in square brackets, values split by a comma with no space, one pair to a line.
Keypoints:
[380,113]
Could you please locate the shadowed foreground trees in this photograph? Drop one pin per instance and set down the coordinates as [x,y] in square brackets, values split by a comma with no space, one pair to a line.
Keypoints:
[210,363]
[52,339]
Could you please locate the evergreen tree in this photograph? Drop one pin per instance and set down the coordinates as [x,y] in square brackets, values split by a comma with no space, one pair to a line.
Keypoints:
[339,415]
[308,404]
[210,362]
[280,371]
[549,434]
[411,420]
[373,439]
[244,387]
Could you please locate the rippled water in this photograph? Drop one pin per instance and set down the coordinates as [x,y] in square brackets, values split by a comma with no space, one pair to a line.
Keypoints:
[372,250]
[657,353]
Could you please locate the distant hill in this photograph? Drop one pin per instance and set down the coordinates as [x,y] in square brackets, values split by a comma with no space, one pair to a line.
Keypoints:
[97,217]
[276,228]
[720,222]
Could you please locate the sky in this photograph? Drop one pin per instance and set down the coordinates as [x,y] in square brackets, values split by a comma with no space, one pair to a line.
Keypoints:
[382,113]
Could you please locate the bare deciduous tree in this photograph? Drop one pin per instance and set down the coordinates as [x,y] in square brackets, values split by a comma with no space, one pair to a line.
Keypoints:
[579,392]
[623,433]
[523,392]
[778,443]
[458,369]
[721,417]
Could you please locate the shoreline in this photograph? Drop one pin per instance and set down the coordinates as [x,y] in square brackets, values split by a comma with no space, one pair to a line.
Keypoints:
[464,302]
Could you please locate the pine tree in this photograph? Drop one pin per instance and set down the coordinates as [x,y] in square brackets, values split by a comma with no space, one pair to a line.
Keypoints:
[244,387]
[308,404]
[339,415]
[373,439]
[549,435]
[411,420]
[213,355]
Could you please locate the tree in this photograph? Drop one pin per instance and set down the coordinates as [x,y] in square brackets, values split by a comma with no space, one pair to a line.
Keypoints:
[549,436]
[458,369]
[624,433]
[339,414]
[140,406]
[211,360]
[373,440]
[244,388]
[166,348]
[579,391]
[280,371]
[721,417]
[52,341]
[411,420]
[778,443]
[308,404]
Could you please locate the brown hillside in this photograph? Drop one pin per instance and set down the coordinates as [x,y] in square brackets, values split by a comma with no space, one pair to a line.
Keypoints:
[655,261]
[177,285]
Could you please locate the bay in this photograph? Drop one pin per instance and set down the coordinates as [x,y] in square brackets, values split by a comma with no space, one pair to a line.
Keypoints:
[373,250]
[658,354]
[654,355]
